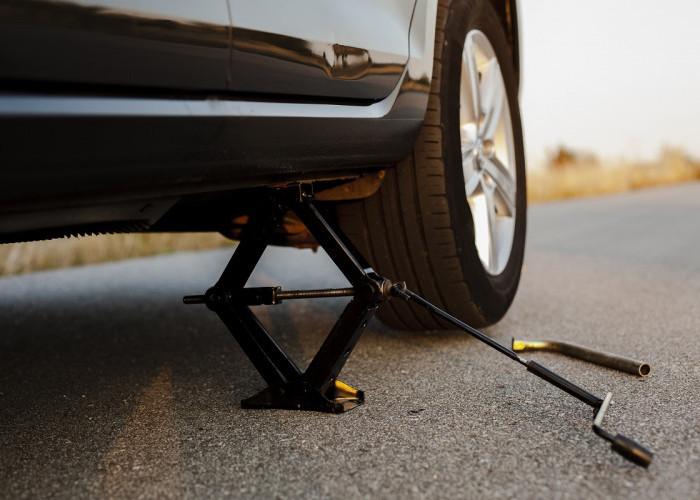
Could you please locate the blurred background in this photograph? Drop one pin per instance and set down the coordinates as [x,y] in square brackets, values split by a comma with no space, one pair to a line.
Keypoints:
[616,79]
[609,95]
[609,100]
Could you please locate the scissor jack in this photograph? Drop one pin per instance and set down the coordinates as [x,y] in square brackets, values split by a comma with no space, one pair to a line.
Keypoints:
[318,388]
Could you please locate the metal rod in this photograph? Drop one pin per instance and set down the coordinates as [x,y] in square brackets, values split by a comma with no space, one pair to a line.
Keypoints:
[533,367]
[565,385]
[408,295]
[314,294]
[598,421]
[622,363]
[194,299]
[626,447]
[623,445]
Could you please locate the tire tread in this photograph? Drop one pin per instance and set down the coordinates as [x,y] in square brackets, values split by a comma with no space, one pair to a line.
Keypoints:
[406,230]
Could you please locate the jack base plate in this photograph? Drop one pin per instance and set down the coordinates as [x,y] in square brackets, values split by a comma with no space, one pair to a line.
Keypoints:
[339,398]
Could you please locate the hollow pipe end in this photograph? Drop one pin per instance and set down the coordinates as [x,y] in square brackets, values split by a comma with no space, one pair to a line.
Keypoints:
[644,369]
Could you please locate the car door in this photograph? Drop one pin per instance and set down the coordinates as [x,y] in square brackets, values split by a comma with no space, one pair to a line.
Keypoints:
[134,45]
[327,49]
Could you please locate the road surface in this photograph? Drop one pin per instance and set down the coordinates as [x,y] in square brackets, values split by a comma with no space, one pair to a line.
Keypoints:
[110,387]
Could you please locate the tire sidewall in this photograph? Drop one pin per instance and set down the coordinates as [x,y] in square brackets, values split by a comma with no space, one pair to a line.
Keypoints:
[491,293]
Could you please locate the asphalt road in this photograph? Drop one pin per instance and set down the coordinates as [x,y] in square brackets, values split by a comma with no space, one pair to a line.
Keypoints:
[110,387]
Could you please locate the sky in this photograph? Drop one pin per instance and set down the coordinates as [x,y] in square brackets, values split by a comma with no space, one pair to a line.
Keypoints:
[617,78]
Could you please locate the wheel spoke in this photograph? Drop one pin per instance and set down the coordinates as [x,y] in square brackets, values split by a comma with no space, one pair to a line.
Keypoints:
[493,100]
[467,134]
[472,183]
[468,155]
[467,115]
[503,181]
[472,90]
[492,228]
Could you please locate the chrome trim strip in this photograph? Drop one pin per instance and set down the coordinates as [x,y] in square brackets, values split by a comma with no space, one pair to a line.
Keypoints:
[45,105]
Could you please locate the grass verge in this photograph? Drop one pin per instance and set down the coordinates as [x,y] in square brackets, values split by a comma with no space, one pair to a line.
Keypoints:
[572,176]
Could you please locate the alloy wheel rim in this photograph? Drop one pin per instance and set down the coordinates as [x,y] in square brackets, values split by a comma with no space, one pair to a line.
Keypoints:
[488,152]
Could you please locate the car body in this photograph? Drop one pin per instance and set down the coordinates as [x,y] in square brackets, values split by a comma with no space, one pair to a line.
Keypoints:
[156,115]
[112,112]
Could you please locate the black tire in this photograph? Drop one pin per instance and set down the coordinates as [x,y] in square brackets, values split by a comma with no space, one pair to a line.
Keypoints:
[418,227]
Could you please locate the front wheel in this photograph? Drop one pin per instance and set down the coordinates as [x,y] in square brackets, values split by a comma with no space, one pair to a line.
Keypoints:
[450,219]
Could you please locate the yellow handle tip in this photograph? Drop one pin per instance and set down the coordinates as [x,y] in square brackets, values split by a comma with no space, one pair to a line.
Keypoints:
[518,345]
